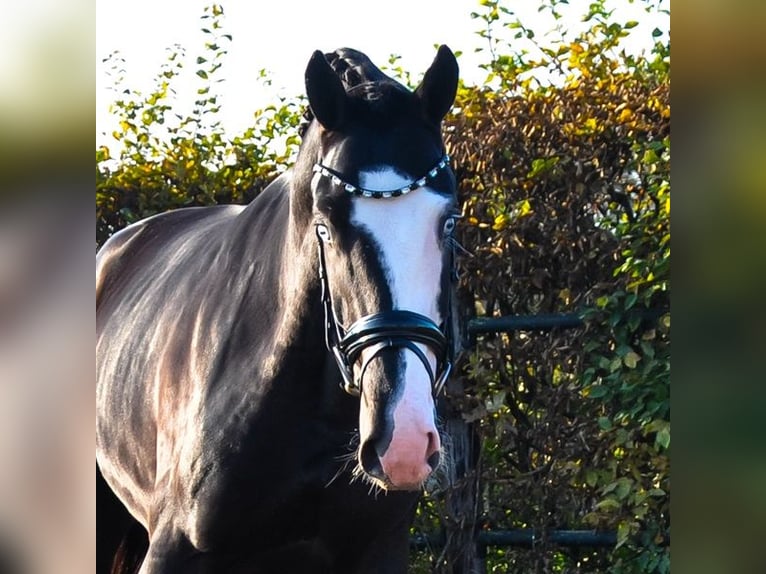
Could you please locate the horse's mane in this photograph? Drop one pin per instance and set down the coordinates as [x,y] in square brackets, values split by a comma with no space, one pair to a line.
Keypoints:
[359,76]
[354,68]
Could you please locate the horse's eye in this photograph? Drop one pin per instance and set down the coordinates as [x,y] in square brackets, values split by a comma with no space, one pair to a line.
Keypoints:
[449,226]
[323,232]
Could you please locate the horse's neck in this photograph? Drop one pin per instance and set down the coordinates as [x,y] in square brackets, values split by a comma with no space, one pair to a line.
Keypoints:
[299,284]
[294,293]
[275,260]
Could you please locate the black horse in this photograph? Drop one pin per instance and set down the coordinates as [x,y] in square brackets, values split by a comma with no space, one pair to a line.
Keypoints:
[223,334]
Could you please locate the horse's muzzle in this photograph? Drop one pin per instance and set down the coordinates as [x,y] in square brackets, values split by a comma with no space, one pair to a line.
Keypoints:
[406,462]
[399,441]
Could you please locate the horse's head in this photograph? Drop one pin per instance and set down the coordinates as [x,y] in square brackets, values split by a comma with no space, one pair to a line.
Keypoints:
[383,209]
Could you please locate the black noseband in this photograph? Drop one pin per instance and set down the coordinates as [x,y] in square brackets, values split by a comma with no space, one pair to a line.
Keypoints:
[395,329]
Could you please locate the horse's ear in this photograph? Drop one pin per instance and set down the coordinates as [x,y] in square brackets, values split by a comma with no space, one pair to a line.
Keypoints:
[439,85]
[325,91]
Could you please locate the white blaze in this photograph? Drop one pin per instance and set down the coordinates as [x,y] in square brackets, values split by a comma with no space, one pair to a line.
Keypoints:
[406,229]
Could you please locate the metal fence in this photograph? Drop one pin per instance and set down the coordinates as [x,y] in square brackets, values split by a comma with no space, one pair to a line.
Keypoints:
[527,537]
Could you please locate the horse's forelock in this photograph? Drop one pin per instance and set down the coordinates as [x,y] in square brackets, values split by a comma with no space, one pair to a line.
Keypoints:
[354,68]
[360,77]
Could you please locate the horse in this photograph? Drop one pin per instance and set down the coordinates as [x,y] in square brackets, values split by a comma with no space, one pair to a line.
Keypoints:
[268,374]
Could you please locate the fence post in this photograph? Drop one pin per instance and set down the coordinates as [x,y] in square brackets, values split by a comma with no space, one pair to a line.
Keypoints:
[460,554]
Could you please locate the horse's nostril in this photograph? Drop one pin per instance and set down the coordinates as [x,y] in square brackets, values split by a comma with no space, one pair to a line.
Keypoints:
[432,450]
[369,459]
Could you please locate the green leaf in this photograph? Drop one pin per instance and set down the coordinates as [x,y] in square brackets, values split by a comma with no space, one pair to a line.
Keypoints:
[608,504]
[656,425]
[631,359]
[542,165]
[623,488]
[663,438]
[202,74]
[623,531]
[634,321]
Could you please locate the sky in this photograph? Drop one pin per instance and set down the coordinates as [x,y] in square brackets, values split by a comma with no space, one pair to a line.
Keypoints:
[281,36]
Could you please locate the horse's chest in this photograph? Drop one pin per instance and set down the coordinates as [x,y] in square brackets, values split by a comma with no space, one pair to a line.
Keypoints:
[266,479]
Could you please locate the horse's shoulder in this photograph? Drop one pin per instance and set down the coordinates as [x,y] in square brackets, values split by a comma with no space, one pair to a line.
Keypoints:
[109,256]
[154,234]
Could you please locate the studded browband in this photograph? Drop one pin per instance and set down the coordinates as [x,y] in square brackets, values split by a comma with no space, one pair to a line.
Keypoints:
[378,194]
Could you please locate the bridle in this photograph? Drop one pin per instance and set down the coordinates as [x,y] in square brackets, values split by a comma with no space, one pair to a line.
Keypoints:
[398,329]
[379,194]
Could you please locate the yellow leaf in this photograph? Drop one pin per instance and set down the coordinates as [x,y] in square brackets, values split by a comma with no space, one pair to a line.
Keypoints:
[500,222]
[625,115]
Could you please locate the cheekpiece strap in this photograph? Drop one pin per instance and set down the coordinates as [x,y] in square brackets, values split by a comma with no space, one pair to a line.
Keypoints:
[381,194]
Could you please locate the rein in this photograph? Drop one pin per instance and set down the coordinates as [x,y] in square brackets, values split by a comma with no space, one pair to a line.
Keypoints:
[398,329]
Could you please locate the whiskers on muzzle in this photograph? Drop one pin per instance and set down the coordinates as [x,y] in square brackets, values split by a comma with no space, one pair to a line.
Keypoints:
[439,477]
[350,467]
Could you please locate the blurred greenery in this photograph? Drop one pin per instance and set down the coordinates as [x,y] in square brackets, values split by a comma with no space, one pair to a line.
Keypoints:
[46,308]
[718,376]
[46,96]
